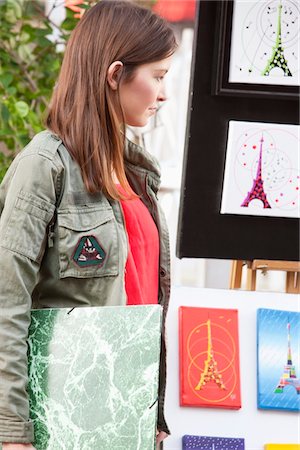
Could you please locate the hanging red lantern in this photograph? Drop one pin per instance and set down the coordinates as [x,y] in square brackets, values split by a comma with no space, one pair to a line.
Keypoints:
[176,10]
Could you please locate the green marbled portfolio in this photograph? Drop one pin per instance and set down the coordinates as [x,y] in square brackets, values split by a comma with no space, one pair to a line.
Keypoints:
[93,377]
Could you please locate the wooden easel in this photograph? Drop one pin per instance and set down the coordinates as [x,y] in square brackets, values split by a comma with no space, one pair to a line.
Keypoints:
[292,269]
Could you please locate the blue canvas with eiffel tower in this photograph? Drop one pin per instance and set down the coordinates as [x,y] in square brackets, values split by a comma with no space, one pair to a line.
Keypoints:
[278,359]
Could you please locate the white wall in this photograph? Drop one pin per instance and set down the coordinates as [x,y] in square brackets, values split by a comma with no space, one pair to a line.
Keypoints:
[256,426]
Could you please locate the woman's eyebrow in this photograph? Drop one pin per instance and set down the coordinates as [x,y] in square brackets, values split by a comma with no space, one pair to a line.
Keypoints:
[161,70]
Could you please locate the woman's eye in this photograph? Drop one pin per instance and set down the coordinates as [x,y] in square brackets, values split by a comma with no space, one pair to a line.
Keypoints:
[159,78]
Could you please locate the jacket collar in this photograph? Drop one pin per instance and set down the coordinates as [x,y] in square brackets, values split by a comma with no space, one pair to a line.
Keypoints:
[137,156]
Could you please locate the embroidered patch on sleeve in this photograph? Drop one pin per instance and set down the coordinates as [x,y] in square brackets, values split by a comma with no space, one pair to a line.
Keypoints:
[89,252]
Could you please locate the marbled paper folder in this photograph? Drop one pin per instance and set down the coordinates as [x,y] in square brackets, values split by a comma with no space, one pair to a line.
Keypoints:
[212,443]
[94,377]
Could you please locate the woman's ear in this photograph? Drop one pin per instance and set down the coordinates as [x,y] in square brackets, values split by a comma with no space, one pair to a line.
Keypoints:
[114,73]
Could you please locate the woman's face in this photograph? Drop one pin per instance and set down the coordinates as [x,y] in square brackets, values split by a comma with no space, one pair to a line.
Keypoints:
[141,96]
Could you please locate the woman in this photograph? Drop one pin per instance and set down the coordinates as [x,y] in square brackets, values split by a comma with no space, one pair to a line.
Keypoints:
[79,196]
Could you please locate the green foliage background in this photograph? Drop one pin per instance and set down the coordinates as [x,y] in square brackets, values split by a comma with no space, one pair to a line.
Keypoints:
[29,65]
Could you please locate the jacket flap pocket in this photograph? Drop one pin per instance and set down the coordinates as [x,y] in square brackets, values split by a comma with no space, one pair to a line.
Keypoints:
[84,219]
[34,206]
[25,231]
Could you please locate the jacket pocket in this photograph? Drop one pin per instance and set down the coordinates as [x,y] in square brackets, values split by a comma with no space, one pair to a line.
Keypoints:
[25,230]
[88,243]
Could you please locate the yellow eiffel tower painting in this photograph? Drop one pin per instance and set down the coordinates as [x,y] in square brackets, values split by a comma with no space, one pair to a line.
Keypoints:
[210,372]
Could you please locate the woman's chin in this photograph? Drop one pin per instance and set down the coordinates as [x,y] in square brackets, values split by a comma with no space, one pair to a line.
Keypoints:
[137,123]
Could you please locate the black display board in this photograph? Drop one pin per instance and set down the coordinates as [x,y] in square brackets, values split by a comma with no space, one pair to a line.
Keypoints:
[202,231]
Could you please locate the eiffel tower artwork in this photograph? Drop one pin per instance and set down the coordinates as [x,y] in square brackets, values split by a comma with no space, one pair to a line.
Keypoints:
[210,372]
[257,191]
[277,58]
[289,371]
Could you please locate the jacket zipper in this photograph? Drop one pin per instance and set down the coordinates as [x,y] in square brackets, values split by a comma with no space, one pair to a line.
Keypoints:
[51,232]
[153,212]
[125,229]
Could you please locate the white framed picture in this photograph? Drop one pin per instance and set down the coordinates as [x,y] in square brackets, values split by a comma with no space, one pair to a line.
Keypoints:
[265,42]
[262,170]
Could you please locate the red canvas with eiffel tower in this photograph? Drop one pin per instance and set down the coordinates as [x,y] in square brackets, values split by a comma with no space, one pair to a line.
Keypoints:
[209,357]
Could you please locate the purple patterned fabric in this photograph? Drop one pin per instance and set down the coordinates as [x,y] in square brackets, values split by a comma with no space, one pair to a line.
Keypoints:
[212,443]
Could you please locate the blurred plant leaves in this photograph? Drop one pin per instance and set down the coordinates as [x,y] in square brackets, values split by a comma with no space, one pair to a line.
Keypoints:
[30,59]
[22,108]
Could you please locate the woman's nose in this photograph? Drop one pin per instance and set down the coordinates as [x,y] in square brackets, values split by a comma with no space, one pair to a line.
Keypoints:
[162,97]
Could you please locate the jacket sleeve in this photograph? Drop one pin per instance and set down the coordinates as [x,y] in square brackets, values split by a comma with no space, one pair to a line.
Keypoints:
[27,200]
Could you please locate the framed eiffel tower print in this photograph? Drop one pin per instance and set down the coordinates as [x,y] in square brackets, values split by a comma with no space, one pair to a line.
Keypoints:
[278,359]
[258,50]
[217,219]
[262,171]
[212,443]
[209,357]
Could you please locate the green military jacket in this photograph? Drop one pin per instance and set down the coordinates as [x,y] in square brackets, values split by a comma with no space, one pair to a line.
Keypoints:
[45,211]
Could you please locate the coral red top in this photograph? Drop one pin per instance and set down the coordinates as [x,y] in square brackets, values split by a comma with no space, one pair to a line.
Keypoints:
[141,272]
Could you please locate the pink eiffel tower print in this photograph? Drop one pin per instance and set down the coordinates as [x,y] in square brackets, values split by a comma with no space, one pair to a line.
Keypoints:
[257,192]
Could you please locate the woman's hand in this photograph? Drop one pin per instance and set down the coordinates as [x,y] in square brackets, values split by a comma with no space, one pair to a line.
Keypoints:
[160,436]
[12,446]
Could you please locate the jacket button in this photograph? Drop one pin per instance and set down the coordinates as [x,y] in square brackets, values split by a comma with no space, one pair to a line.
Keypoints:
[162,273]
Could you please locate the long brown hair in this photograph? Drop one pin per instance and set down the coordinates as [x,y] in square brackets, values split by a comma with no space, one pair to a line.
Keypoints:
[84,111]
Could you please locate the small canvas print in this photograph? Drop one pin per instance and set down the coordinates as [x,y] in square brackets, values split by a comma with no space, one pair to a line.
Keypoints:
[209,357]
[264,42]
[262,170]
[278,355]
[212,443]
[282,447]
